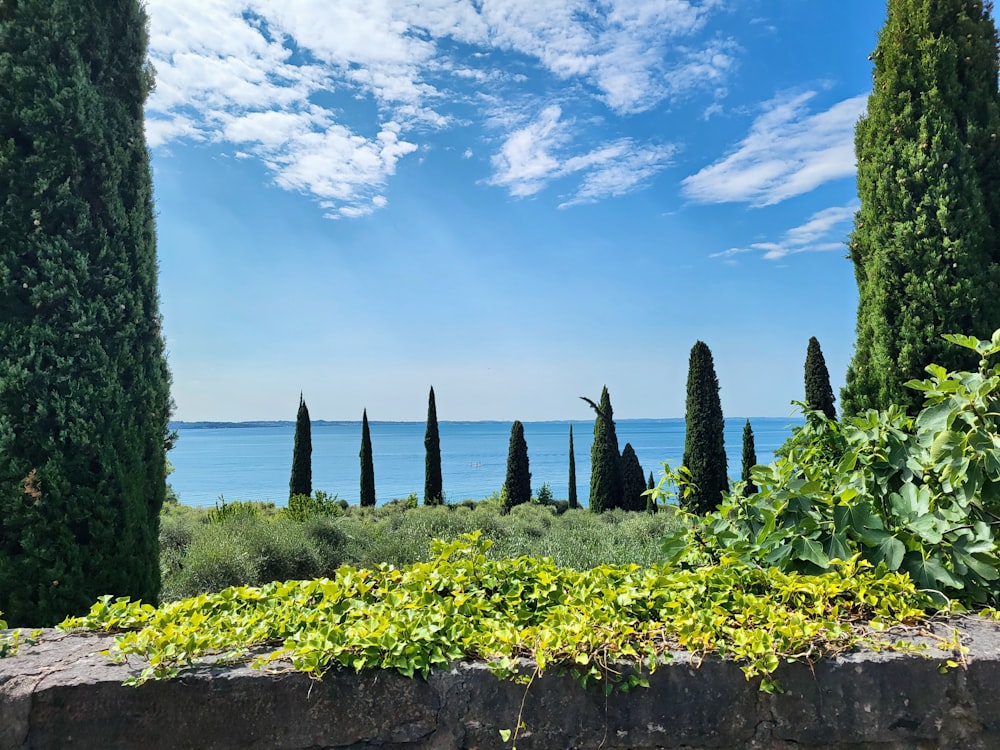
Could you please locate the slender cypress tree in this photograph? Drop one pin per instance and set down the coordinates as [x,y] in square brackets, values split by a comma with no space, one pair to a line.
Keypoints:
[704,440]
[633,480]
[433,492]
[819,394]
[925,241]
[749,460]
[300,482]
[572,501]
[367,465]
[84,385]
[605,460]
[650,502]
[517,487]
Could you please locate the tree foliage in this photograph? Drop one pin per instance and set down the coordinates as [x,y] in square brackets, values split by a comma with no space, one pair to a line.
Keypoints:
[433,491]
[572,500]
[633,480]
[749,460]
[651,506]
[84,386]
[517,485]
[300,482]
[919,495]
[367,465]
[704,439]
[819,393]
[925,243]
[605,460]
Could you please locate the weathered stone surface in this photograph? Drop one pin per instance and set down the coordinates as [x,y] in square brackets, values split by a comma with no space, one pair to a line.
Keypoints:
[60,693]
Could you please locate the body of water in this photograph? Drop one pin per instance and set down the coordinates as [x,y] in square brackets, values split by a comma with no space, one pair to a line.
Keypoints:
[254,462]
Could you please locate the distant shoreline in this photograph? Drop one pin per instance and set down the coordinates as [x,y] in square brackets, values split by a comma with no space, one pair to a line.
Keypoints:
[183,425]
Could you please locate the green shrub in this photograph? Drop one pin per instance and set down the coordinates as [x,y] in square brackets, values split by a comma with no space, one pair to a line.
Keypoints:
[916,495]
[240,509]
[253,543]
[302,507]
[242,551]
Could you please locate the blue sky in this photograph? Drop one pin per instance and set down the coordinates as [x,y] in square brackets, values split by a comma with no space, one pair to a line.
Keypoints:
[515,201]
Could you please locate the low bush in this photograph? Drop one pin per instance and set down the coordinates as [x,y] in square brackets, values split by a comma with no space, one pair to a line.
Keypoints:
[919,495]
[202,552]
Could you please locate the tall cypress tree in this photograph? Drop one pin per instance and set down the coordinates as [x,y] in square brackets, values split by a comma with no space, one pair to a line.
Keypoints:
[925,240]
[367,465]
[749,460]
[819,394]
[433,492]
[704,438]
[301,482]
[650,501]
[572,501]
[84,385]
[605,460]
[633,480]
[517,486]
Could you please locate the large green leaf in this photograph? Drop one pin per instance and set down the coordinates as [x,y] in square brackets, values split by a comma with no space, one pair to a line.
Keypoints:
[675,544]
[889,551]
[937,417]
[811,551]
[837,548]
[930,573]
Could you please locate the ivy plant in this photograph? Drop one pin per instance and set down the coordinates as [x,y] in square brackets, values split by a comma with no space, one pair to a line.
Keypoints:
[464,604]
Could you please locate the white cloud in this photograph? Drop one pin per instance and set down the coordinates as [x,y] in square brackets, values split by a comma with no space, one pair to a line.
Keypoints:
[537,154]
[278,79]
[789,151]
[525,164]
[823,231]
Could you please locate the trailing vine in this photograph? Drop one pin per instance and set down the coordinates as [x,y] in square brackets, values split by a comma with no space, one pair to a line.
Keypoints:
[464,605]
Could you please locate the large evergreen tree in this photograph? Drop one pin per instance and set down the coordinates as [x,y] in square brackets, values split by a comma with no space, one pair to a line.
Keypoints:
[650,500]
[433,491]
[572,500]
[704,438]
[605,460]
[925,240]
[84,385]
[517,486]
[367,465]
[300,482]
[819,394]
[633,480]
[749,460]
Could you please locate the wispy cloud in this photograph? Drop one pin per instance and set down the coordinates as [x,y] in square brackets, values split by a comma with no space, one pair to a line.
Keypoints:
[279,81]
[823,231]
[789,151]
[539,153]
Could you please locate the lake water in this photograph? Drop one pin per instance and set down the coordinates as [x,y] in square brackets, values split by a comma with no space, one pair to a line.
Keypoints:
[254,463]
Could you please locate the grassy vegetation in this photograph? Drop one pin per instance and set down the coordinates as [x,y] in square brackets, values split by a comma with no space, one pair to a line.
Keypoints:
[254,543]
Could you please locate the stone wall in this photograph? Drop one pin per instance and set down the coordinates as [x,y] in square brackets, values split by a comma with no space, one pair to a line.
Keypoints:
[60,693]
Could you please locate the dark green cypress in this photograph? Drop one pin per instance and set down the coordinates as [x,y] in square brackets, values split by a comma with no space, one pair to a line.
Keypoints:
[633,480]
[84,385]
[517,486]
[704,439]
[650,501]
[367,465]
[572,501]
[749,460]
[433,492]
[819,394]
[605,460]
[925,240]
[300,482]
